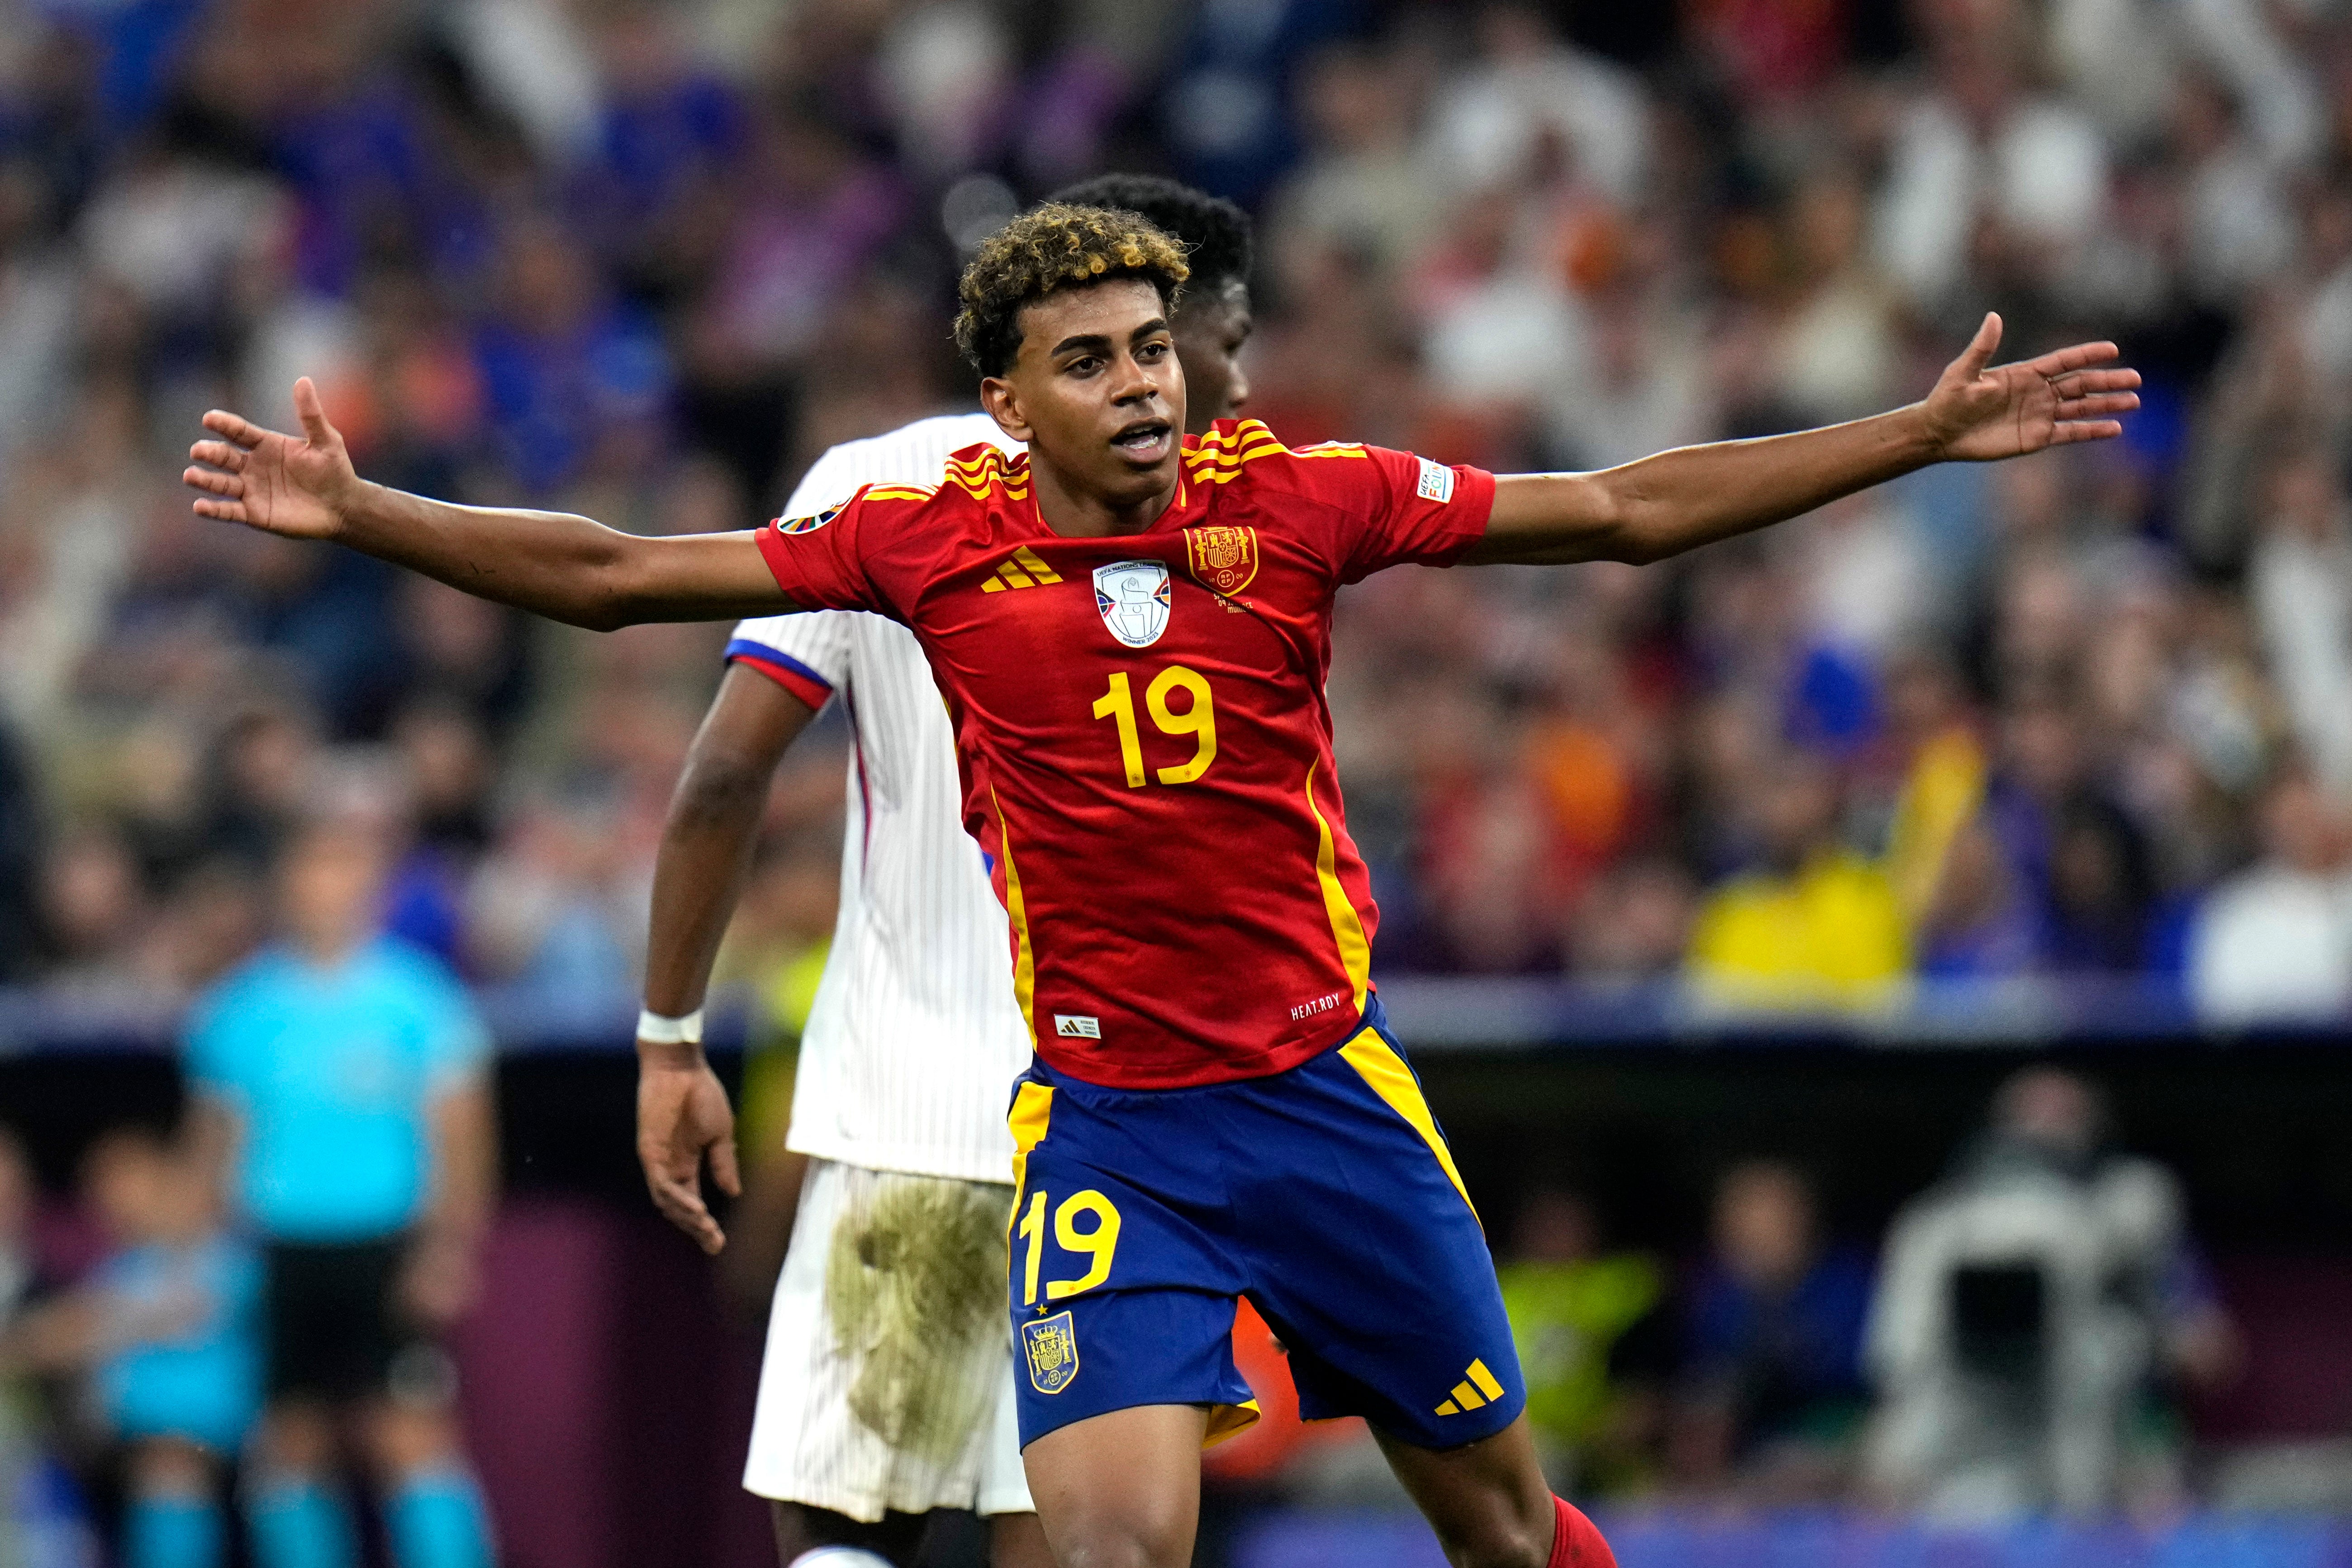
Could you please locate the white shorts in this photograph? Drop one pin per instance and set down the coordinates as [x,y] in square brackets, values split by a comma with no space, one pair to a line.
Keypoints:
[887,1382]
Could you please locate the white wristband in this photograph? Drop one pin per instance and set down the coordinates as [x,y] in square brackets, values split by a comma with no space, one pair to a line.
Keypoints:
[661,1031]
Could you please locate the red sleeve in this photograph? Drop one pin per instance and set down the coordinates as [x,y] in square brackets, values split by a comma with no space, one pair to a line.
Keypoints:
[820,562]
[1401,510]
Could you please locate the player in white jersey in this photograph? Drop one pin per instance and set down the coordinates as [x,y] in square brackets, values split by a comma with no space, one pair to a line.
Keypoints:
[886,1391]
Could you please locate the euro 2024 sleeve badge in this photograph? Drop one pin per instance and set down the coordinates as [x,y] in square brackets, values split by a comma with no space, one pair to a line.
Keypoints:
[811,524]
[1051,1346]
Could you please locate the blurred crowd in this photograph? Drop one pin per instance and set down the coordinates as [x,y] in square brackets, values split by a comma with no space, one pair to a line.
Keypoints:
[2034,1335]
[2089,713]
[2031,1337]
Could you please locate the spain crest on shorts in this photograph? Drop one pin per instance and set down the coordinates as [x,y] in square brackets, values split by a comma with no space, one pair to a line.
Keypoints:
[1224,560]
[1134,598]
[1051,1346]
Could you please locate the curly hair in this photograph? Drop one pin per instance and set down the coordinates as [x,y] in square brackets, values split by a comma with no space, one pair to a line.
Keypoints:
[1215,232]
[1056,245]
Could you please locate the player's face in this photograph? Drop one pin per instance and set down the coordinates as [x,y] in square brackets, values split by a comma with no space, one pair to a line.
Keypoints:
[1097,391]
[1211,330]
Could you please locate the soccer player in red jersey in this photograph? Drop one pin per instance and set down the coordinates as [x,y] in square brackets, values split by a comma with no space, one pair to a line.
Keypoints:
[1131,631]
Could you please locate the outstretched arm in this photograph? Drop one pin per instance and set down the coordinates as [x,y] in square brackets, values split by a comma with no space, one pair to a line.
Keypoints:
[1692,496]
[564,567]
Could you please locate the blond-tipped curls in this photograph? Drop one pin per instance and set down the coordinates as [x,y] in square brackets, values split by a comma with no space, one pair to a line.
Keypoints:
[1049,247]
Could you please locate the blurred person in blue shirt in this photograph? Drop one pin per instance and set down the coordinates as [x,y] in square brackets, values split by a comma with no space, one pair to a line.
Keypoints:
[1774,1398]
[341,1089]
[167,1329]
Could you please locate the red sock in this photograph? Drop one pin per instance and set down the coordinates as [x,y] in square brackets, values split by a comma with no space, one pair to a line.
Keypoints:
[1575,1544]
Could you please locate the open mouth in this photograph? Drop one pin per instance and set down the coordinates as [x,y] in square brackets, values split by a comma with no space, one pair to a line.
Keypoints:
[1145,441]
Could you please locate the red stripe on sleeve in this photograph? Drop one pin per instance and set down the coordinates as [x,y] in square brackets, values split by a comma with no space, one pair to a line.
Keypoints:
[813,692]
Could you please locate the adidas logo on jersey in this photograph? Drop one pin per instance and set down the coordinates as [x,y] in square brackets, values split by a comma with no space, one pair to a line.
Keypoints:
[1021,569]
[1077,1026]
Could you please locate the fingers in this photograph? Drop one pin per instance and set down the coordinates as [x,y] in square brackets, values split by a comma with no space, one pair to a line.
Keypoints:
[1980,351]
[213,480]
[236,426]
[724,1169]
[220,455]
[2075,408]
[2083,383]
[312,413]
[222,510]
[2085,430]
[2058,362]
[682,1206]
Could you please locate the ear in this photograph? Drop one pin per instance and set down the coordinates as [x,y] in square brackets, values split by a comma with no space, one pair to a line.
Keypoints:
[1003,404]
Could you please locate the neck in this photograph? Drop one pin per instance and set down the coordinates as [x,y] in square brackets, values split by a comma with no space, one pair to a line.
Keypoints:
[328,950]
[1076,513]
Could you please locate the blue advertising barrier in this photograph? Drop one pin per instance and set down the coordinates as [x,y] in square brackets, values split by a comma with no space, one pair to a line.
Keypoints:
[1833,1540]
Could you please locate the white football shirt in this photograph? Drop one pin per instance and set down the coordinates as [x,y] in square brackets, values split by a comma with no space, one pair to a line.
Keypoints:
[914,1040]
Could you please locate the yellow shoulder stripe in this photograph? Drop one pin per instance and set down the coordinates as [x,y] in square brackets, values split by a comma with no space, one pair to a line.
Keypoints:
[1241,434]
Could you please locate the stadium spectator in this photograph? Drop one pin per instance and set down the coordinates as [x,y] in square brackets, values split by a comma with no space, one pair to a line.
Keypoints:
[2275,941]
[1596,1344]
[1819,926]
[2299,586]
[539,252]
[21,816]
[18,1275]
[2031,1311]
[340,1092]
[167,1329]
[1772,1398]
[90,909]
[44,1518]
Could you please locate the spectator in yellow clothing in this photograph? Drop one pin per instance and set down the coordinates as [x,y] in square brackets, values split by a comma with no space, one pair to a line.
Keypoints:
[1943,787]
[1594,1341]
[1816,926]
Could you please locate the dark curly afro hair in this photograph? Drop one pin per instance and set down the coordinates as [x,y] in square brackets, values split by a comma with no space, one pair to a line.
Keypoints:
[1215,232]
[1056,245]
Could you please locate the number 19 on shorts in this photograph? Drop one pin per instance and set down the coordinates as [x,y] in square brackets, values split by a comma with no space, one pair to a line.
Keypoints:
[1096,1243]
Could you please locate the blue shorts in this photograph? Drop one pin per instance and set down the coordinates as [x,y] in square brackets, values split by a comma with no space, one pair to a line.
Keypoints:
[1325,1194]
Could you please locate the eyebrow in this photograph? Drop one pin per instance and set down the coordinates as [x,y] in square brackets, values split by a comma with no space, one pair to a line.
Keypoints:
[1098,342]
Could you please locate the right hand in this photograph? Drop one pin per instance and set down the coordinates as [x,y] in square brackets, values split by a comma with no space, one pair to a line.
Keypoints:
[682,1113]
[271,482]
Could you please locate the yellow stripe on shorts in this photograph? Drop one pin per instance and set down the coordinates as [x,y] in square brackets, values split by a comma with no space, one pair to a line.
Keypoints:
[1032,1108]
[1376,1063]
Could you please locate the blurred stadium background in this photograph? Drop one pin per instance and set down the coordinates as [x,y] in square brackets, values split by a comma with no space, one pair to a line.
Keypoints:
[1725,899]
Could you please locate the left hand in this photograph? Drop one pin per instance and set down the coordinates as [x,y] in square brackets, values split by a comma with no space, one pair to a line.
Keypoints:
[1979,411]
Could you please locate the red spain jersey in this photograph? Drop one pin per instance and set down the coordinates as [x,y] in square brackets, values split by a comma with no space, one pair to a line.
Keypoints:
[1143,735]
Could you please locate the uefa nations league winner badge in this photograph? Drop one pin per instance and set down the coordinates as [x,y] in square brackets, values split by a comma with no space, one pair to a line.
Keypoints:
[1133,597]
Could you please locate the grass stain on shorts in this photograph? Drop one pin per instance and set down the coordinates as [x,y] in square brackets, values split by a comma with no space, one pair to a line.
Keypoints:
[914,1285]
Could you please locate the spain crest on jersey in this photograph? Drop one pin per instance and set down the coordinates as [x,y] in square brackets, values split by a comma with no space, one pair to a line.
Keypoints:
[1224,560]
[1134,598]
[1051,1346]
